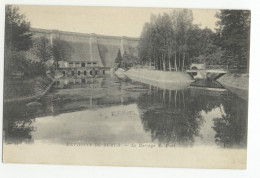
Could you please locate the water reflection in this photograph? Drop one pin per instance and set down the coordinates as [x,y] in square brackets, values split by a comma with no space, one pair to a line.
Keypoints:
[17,123]
[176,117]
[231,128]
[115,110]
[172,117]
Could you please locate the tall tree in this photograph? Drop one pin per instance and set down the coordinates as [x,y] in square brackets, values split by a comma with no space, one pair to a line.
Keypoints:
[61,50]
[201,46]
[182,23]
[145,46]
[18,39]
[17,30]
[234,35]
[172,40]
[119,58]
[43,49]
[165,38]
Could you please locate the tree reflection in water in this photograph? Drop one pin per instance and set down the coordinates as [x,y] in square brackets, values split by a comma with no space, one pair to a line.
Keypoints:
[18,121]
[231,128]
[174,117]
[171,116]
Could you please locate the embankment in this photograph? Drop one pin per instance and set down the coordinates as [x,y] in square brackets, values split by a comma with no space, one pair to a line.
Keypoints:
[161,79]
[26,89]
[236,83]
[120,73]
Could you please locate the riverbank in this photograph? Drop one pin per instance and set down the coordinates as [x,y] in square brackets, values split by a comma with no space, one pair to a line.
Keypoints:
[120,73]
[26,89]
[162,79]
[236,83]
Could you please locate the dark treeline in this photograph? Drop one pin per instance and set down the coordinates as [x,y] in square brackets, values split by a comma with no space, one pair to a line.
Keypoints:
[172,42]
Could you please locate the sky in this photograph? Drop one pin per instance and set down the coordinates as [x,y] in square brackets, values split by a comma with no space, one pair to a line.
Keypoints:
[114,21]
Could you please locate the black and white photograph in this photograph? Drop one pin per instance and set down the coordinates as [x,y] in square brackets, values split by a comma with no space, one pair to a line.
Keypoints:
[126,86]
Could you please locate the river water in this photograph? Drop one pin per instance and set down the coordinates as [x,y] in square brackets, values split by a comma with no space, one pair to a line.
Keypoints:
[122,111]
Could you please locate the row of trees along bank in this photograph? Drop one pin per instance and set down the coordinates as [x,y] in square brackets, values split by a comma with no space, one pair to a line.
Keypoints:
[172,42]
[27,56]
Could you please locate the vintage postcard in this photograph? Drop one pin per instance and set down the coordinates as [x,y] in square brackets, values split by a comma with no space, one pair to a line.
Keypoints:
[121,86]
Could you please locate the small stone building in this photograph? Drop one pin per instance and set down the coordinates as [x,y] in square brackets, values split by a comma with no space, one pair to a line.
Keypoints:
[82,68]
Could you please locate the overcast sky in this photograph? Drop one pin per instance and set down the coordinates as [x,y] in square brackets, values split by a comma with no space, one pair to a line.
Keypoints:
[103,20]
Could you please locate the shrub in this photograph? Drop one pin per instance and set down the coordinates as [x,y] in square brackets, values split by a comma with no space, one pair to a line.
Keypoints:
[15,62]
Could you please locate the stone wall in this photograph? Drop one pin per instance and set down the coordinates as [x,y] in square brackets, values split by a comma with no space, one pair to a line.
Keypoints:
[92,47]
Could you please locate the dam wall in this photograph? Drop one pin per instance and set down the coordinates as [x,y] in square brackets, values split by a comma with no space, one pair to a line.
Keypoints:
[92,47]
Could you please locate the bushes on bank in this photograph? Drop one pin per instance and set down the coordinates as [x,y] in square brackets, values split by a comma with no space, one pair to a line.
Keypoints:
[35,69]
[17,65]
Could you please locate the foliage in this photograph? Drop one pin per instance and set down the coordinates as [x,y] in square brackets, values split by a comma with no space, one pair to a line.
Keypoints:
[17,42]
[171,40]
[201,46]
[42,49]
[231,128]
[17,30]
[20,121]
[15,61]
[35,69]
[128,61]
[233,36]
[155,41]
[61,50]
[228,131]
[119,58]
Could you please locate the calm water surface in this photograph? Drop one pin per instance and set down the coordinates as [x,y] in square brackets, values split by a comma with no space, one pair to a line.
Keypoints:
[114,110]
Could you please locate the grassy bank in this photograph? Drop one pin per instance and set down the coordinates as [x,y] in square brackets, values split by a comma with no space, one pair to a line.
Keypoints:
[26,89]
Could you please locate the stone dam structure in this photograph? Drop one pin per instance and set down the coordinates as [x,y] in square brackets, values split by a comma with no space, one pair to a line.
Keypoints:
[90,50]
